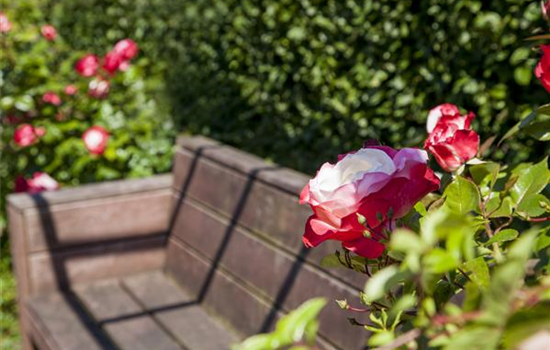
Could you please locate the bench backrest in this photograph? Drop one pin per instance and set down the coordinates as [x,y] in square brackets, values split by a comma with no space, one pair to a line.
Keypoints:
[235,243]
[88,233]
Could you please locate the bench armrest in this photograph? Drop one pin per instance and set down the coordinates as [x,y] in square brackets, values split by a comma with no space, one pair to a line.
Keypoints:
[90,232]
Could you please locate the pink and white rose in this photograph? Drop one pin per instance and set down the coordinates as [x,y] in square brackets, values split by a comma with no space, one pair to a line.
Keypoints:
[25,135]
[380,183]
[95,139]
[87,66]
[38,183]
[51,98]
[48,32]
[5,24]
[99,88]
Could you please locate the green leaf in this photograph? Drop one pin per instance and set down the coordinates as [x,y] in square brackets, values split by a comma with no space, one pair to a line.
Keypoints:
[407,241]
[440,261]
[520,125]
[539,130]
[522,75]
[485,172]
[479,272]
[461,196]
[505,210]
[525,323]
[503,236]
[506,279]
[531,181]
[258,342]
[533,205]
[293,327]
[474,338]
[24,103]
[382,281]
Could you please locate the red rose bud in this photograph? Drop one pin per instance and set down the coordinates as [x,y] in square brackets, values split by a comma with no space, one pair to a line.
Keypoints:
[5,24]
[542,70]
[49,32]
[95,139]
[112,62]
[365,191]
[127,48]
[70,90]
[99,88]
[51,98]
[25,135]
[87,66]
[450,139]
[38,183]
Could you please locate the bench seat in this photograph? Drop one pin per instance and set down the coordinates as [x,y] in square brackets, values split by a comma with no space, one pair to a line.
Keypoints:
[197,259]
[140,312]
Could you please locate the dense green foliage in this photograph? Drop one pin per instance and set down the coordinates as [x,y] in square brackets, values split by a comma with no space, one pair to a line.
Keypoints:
[141,132]
[300,81]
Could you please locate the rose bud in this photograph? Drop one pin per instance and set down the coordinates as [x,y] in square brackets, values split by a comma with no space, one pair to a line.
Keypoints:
[70,90]
[542,70]
[354,200]
[38,183]
[49,32]
[5,24]
[99,88]
[51,98]
[87,66]
[112,61]
[25,135]
[95,139]
[127,48]
[450,139]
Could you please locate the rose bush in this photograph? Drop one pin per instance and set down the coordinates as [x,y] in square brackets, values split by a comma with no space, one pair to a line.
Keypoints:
[466,268]
[59,106]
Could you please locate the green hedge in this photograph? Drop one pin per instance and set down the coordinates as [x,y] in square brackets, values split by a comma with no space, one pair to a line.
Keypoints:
[299,81]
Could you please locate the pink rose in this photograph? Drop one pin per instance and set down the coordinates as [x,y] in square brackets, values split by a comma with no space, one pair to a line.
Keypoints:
[25,135]
[51,98]
[380,183]
[5,24]
[127,48]
[112,62]
[38,183]
[87,65]
[450,139]
[542,70]
[95,139]
[99,88]
[70,90]
[49,32]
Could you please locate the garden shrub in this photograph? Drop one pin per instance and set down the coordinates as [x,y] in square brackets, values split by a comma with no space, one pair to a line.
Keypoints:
[301,81]
[35,75]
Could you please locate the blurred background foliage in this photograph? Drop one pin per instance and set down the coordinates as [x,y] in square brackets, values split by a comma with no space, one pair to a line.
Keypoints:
[301,81]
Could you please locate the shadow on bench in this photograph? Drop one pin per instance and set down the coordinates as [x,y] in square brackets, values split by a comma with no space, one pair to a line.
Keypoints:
[196,260]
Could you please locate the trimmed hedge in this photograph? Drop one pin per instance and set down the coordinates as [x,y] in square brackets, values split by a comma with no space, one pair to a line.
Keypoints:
[300,81]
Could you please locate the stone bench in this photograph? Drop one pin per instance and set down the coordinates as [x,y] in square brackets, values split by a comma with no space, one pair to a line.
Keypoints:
[196,260]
